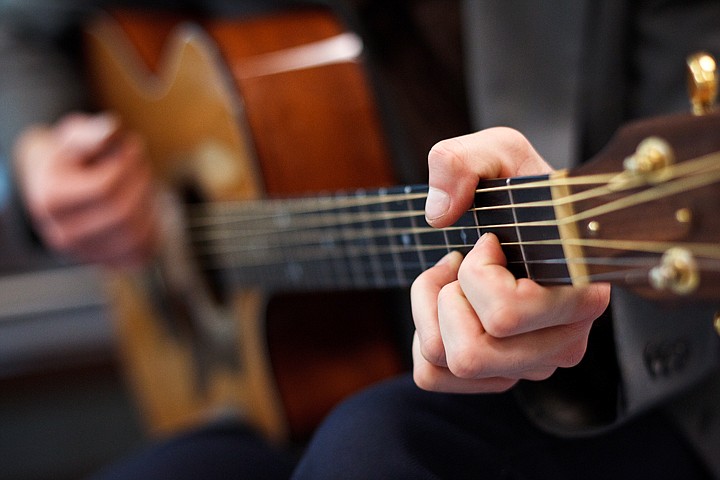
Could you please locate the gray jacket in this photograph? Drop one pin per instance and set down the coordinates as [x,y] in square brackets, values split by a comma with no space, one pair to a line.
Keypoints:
[587,67]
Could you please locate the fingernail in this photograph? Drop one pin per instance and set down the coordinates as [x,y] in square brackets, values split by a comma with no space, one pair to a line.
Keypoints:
[447,258]
[437,203]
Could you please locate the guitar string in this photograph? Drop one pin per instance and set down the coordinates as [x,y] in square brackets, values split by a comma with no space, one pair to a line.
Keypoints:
[314,239]
[306,235]
[314,254]
[221,212]
[610,183]
[625,273]
[655,193]
[243,232]
[704,252]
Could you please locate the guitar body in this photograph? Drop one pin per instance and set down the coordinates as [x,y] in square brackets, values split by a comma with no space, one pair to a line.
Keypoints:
[236,110]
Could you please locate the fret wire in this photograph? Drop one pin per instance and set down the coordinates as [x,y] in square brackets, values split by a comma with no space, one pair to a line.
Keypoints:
[640,273]
[337,267]
[318,220]
[646,195]
[701,165]
[517,231]
[313,254]
[477,228]
[316,238]
[377,273]
[446,240]
[337,202]
[419,250]
[650,193]
[356,266]
[702,249]
[703,266]
[240,234]
[399,272]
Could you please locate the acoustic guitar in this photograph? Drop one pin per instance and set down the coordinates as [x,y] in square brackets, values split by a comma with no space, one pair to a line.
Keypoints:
[235,110]
[245,118]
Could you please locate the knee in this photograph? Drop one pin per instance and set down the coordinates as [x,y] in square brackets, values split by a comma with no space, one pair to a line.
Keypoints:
[357,435]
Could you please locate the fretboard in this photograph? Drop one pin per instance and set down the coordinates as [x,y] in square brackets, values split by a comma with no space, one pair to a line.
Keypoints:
[371,239]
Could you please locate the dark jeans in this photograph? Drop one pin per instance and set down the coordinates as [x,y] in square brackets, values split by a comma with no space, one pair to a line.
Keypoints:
[397,431]
[221,451]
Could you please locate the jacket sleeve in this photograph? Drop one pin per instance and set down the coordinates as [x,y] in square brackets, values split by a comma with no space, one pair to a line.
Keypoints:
[643,354]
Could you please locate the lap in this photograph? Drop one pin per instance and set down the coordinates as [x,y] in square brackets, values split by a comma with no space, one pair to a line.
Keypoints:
[396,430]
[219,451]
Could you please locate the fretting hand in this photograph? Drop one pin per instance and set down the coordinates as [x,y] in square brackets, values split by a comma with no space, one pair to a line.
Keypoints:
[478,329]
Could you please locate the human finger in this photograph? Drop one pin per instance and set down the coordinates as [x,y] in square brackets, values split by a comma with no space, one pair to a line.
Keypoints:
[432,377]
[424,294]
[510,306]
[84,137]
[456,165]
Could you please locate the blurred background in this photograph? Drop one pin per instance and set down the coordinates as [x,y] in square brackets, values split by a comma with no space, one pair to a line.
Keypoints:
[64,410]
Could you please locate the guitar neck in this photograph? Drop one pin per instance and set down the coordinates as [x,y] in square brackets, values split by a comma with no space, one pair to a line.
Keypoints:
[371,239]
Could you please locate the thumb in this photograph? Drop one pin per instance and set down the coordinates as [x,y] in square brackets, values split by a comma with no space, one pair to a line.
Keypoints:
[85,137]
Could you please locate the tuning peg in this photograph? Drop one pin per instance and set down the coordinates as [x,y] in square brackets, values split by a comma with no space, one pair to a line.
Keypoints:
[702,82]
[677,272]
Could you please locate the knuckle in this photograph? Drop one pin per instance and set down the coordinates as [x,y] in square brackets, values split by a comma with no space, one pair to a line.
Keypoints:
[446,294]
[425,378]
[518,144]
[502,322]
[418,285]
[465,363]
[440,152]
[468,272]
[433,350]
[444,155]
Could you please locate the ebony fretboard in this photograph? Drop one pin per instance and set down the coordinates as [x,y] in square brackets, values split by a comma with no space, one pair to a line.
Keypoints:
[371,239]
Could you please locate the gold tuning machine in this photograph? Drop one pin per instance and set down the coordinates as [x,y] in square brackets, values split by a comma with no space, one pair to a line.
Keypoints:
[677,272]
[702,82]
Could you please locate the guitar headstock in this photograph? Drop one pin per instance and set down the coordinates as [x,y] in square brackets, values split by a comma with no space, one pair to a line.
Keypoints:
[645,212]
